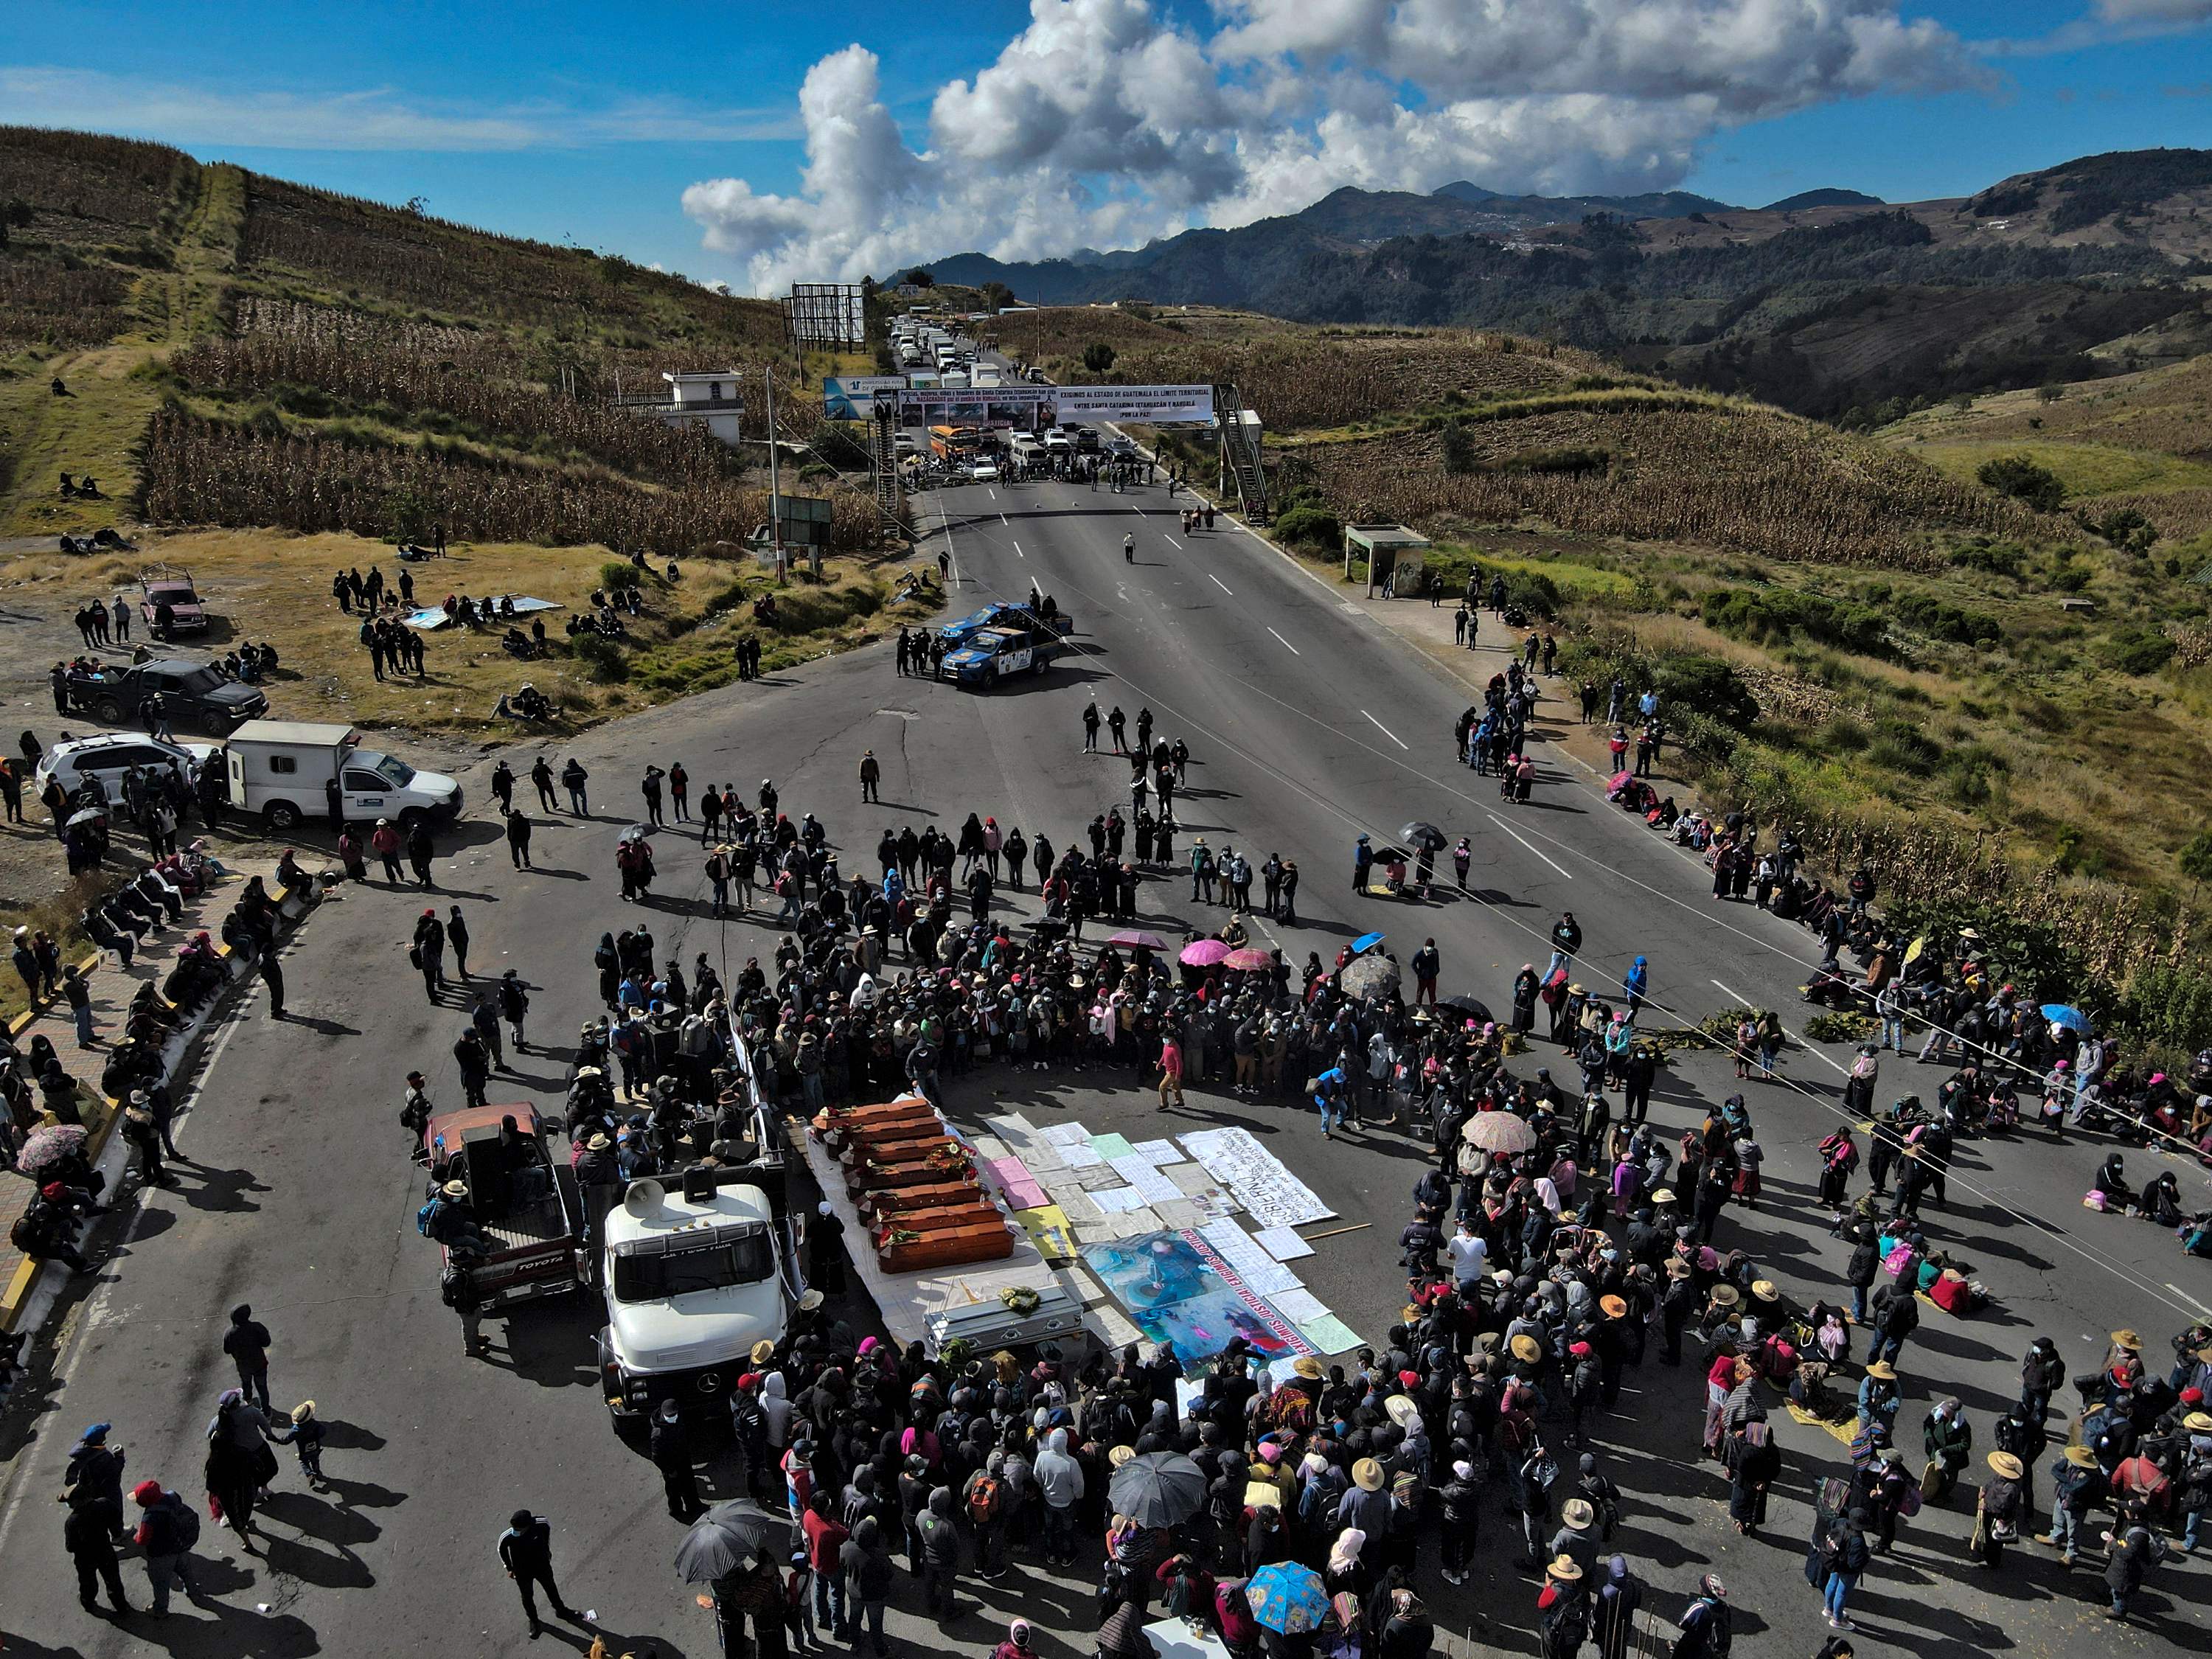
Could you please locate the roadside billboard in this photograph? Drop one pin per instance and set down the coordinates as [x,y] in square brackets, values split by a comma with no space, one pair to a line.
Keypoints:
[1153,406]
[853,398]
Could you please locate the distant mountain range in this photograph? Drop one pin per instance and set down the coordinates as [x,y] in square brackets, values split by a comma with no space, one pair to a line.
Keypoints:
[2033,273]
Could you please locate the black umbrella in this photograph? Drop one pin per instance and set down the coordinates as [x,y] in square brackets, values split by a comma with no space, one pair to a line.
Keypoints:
[1424,834]
[725,1537]
[1158,1489]
[1474,1007]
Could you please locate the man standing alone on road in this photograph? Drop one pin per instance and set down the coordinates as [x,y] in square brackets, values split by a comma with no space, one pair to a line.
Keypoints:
[247,1344]
[1427,964]
[525,1550]
[518,838]
[871,774]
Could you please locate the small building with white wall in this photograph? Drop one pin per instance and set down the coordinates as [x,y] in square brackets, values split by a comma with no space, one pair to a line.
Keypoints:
[708,397]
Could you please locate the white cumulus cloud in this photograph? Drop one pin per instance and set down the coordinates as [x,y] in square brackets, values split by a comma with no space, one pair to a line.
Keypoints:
[1103,122]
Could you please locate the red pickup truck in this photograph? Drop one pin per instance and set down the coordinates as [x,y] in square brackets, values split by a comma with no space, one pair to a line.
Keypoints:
[524,1203]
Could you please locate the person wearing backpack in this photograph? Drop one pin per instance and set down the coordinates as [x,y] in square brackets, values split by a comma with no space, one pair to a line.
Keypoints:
[1707,1623]
[168,1527]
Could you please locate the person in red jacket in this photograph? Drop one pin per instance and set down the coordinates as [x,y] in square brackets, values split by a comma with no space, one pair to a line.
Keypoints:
[825,1539]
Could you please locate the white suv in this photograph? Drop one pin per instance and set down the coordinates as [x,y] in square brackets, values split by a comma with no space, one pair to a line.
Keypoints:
[112,754]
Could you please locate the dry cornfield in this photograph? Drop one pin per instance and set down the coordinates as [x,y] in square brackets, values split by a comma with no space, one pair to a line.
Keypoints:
[45,303]
[411,259]
[264,313]
[84,188]
[476,383]
[1732,476]
[200,472]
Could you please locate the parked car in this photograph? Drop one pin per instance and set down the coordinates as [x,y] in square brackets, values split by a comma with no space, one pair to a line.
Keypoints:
[170,603]
[110,755]
[997,654]
[1003,613]
[199,694]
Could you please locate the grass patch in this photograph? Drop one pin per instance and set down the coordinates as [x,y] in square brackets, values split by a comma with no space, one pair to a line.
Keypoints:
[2085,469]
[267,585]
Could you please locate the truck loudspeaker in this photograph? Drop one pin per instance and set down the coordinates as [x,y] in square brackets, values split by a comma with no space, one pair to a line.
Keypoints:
[643,1199]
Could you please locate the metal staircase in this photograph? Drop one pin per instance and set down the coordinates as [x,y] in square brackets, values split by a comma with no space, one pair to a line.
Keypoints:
[1240,454]
[891,492]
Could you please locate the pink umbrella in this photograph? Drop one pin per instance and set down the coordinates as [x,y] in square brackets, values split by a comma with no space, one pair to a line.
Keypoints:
[1204,953]
[1249,960]
[1135,939]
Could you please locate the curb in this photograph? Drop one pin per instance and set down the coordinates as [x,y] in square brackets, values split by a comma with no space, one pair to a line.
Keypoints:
[24,1283]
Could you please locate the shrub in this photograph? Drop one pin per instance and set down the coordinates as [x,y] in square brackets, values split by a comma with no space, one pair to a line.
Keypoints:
[1533,592]
[1938,620]
[1311,526]
[608,664]
[619,573]
[1459,450]
[2141,651]
[2019,477]
[1706,685]
[1777,615]
[1098,357]
[2196,856]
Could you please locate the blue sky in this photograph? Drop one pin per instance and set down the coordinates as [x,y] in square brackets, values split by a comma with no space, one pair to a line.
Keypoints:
[1095,122]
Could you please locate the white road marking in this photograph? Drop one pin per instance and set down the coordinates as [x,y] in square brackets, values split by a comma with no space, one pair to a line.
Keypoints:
[1172,540]
[1392,736]
[1526,842]
[2185,1296]
[1287,645]
[1003,518]
[995,496]
[1787,1032]
[1017,552]
[1218,583]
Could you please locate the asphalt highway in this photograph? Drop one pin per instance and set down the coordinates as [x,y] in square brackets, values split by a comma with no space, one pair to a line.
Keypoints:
[1308,723]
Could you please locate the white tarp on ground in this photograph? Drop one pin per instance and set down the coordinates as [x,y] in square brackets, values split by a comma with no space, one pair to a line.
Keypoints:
[1274,1197]
[430,620]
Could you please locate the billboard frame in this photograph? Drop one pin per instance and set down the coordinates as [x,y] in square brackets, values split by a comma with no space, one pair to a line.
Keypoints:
[826,314]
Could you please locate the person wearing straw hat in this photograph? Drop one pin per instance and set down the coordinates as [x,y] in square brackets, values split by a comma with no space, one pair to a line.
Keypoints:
[1577,1539]
[1997,1515]
[1879,1398]
[2193,1486]
[1563,1609]
[2078,1487]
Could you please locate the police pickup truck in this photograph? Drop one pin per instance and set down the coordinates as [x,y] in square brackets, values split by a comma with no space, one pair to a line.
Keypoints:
[1002,613]
[992,654]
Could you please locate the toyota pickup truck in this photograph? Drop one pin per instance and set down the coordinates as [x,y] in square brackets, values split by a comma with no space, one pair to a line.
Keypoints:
[993,654]
[197,694]
[527,1204]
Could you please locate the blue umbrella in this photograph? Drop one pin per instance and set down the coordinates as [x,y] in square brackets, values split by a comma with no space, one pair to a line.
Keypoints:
[1365,942]
[2060,1013]
[1287,1598]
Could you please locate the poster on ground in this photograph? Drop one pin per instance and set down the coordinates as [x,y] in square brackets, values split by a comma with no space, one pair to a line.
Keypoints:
[1176,1289]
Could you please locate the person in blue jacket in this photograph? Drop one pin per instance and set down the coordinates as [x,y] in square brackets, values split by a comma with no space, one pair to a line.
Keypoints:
[1637,985]
[1329,1099]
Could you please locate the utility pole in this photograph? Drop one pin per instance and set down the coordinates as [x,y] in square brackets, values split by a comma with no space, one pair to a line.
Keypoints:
[775,483]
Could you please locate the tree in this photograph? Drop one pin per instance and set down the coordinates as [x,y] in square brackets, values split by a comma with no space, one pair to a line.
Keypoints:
[2050,393]
[1098,357]
[920,278]
[2196,856]
[997,296]
[2019,477]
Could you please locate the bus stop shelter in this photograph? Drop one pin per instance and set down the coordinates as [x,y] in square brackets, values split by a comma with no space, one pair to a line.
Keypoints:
[1395,556]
